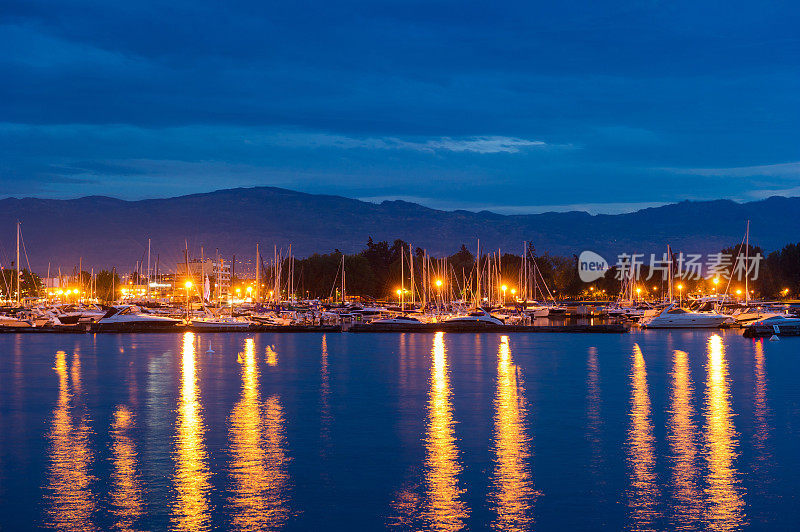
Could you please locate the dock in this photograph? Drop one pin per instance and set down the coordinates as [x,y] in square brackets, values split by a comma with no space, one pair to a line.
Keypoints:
[477,327]
[354,328]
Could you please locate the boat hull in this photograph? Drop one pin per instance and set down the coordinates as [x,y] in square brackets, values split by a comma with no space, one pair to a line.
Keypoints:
[134,326]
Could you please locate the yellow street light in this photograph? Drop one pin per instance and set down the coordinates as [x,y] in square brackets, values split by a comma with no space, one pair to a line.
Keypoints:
[513,291]
[439,283]
[188,284]
[716,280]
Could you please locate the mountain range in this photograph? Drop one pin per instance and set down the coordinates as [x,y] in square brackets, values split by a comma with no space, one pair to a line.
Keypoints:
[104,231]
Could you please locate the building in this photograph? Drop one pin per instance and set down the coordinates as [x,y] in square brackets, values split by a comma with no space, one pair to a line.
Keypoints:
[219,275]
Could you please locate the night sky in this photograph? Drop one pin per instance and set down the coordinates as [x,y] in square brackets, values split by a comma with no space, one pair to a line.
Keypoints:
[514,107]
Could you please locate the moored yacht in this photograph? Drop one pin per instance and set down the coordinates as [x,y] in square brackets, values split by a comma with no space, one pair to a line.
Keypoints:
[778,325]
[477,316]
[675,317]
[130,318]
[220,323]
[398,320]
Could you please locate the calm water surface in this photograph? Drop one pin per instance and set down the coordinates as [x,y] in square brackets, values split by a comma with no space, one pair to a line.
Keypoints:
[649,430]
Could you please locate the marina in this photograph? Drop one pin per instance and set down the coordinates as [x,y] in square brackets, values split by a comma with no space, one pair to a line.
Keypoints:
[410,266]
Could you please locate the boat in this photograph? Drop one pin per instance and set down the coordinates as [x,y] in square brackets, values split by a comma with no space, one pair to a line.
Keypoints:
[748,315]
[778,325]
[15,322]
[131,318]
[398,320]
[219,323]
[478,316]
[675,317]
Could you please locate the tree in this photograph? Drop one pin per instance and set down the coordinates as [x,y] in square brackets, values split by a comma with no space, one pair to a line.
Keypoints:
[106,283]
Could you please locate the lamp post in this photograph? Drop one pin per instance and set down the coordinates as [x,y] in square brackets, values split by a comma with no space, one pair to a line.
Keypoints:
[680,295]
[188,288]
[504,288]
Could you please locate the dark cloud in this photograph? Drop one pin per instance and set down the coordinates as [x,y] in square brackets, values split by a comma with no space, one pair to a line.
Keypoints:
[145,98]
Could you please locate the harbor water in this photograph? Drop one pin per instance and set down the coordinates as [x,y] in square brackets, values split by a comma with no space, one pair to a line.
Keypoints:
[685,430]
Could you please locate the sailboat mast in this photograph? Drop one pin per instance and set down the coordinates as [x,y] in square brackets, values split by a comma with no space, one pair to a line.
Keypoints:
[411,269]
[148,269]
[258,272]
[18,269]
[478,276]
[747,263]
[402,281]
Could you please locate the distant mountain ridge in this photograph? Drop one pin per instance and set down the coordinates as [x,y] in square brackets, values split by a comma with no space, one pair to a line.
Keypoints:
[106,231]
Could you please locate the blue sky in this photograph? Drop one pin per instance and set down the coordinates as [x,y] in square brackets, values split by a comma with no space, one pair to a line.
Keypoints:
[514,107]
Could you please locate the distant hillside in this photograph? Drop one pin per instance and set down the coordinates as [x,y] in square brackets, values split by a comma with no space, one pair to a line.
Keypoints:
[107,231]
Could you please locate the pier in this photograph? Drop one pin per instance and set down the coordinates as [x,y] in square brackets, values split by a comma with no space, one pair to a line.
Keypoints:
[354,328]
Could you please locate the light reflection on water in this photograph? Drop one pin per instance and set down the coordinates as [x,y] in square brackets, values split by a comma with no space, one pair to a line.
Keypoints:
[644,491]
[444,509]
[192,509]
[725,506]
[512,487]
[449,426]
[126,500]
[258,456]
[72,503]
[682,435]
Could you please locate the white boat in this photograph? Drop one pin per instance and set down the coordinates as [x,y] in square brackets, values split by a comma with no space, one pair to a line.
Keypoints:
[476,316]
[219,323]
[398,320]
[777,325]
[13,321]
[132,318]
[674,317]
[535,310]
[747,315]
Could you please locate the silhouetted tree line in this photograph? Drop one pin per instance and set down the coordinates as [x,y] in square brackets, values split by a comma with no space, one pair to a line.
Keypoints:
[375,273]
[30,283]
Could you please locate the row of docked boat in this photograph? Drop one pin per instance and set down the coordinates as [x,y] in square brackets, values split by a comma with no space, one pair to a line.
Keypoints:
[314,314]
[147,316]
